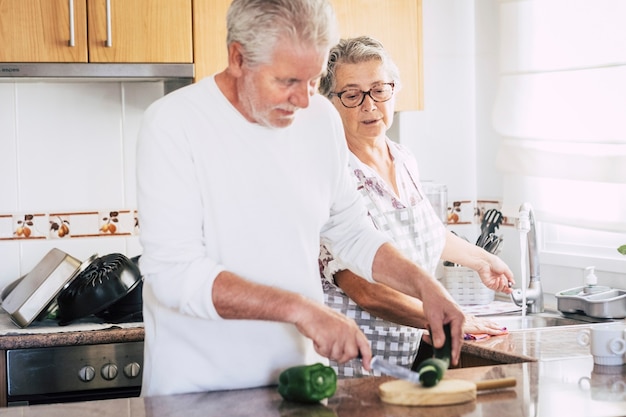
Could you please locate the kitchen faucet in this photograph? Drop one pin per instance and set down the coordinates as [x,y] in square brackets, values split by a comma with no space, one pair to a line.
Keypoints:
[534,291]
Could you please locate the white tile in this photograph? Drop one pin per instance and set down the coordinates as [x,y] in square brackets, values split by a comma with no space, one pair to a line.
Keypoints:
[70,145]
[85,247]
[8,142]
[137,98]
[9,266]
[133,247]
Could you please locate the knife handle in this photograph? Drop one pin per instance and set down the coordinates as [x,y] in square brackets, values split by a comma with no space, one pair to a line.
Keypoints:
[496,383]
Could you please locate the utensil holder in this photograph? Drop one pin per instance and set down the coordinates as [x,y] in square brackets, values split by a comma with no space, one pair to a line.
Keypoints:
[465,286]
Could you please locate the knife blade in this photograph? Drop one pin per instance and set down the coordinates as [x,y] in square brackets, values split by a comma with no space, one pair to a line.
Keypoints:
[394,370]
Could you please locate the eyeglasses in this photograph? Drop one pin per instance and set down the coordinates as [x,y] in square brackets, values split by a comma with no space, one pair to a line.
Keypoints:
[354,97]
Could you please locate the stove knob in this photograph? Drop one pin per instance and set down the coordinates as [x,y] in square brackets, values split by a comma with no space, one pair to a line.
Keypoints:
[109,371]
[86,373]
[132,370]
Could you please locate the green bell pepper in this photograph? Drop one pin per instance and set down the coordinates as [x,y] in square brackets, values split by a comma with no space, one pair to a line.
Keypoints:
[307,383]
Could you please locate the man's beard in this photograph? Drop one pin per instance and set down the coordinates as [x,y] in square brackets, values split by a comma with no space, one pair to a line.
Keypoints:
[257,110]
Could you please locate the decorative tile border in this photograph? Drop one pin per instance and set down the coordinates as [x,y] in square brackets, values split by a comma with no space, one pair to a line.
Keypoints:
[466,212]
[461,212]
[67,225]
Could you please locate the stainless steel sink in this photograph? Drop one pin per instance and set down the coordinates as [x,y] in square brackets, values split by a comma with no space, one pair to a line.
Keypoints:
[515,322]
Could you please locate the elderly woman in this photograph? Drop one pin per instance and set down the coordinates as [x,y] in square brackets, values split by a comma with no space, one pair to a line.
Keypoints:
[361,82]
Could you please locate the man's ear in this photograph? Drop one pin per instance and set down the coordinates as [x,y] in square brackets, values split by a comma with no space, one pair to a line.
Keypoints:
[235,58]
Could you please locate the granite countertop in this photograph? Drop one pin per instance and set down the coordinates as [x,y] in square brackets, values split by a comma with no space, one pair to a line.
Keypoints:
[83,332]
[530,345]
[566,387]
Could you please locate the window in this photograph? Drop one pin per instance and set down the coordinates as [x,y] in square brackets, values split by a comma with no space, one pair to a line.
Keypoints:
[560,112]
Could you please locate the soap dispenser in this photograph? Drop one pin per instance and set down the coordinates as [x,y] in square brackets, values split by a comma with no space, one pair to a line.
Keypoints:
[591,282]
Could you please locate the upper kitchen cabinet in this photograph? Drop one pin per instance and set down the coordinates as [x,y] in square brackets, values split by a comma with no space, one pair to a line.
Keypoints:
[397,24]
[41,30]
[209,36]
[98,31]
[140,31]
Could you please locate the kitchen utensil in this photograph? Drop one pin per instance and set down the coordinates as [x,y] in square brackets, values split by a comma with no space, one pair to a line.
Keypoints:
[448,391]
[493,243]
[107,280]
[483,231]
[33,296]
[492,219]
[396,371]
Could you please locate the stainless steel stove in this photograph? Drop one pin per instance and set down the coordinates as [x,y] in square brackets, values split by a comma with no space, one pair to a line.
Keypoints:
[74,373]
[43,367]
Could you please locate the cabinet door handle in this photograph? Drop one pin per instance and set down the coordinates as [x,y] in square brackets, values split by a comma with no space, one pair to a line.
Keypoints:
[109,41]
[72,41]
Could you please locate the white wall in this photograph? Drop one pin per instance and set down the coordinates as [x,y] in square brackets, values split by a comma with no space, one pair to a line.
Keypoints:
[453,138]
[442,136]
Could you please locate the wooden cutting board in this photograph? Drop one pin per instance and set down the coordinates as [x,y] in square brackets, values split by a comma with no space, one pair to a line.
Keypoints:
[446,392]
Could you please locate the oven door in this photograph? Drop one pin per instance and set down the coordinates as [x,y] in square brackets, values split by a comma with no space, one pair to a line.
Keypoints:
[74,373]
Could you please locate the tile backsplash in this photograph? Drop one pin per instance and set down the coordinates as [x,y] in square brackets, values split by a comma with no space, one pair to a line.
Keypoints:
[67,169]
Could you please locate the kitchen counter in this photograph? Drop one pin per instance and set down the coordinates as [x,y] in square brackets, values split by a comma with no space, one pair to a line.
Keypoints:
[555,376]
[48,333]
[74,337]
[565,387]
[529,345]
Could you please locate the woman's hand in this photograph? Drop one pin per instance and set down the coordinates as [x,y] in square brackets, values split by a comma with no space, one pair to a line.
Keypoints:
[476,325]
[495,274]
[481,325]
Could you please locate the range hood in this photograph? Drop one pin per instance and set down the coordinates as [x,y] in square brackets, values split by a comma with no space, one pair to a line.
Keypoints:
[174,75]
[113,72]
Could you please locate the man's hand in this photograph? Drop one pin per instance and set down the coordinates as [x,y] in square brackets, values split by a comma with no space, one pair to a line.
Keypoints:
[440,310]
[334,335]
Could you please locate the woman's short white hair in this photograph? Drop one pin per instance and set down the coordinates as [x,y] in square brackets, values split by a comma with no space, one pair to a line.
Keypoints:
[354,51]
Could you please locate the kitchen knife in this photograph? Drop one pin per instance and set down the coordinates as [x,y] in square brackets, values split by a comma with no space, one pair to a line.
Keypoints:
[394,370]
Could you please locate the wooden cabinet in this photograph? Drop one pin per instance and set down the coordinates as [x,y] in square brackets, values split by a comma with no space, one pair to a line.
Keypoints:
[39,31]
[146,31]
[209,37]
[396,23]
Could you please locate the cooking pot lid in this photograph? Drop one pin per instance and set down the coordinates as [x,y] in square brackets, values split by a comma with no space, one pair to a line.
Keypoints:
[105,281]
